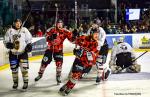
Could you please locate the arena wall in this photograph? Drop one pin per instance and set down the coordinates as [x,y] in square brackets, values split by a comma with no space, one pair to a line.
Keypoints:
[137,41]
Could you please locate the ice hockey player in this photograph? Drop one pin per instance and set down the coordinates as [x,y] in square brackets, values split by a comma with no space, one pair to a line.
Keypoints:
[85,58]
[102,71]
[122,57]
[18,41]
[55,37]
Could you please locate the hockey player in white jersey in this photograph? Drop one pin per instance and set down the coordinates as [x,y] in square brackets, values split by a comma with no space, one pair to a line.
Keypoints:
[18,41]
[122,57]
[102,71]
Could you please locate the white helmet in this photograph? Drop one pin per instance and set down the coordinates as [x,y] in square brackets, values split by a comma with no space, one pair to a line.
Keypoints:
[121,39]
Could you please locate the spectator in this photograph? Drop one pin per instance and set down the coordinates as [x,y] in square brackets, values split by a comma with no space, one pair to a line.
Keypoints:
[39,33]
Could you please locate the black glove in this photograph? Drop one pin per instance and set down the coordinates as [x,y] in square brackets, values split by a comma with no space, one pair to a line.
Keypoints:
[75,33]
[28,48]
[78,52]
[93,31]
[51,38]
[9,45]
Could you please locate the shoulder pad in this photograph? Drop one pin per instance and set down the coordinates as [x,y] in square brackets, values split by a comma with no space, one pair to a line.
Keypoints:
[66,30]
[50,29]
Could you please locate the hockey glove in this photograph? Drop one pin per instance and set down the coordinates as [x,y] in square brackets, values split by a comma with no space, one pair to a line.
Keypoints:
[51,38]
[28,48]
[78,52]
[9,45]
[75,33]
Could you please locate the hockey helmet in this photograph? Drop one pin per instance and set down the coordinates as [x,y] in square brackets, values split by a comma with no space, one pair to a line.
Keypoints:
[97,21]
[120,39]
[17,20]
[95,30]
[59,21]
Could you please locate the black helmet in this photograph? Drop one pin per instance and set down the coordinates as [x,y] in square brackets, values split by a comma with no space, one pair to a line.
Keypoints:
[96,30]
[59,21]
[17,20]
[97,21]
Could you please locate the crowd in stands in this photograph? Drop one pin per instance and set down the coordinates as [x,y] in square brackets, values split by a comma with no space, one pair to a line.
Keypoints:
[40,21]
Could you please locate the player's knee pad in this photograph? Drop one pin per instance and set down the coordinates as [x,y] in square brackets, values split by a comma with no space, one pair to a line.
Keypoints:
[24,68]
[115,69]
[134,68]
[24,64]
[137,68]
[58,57]
[58,68]
[77,66]
[59,64]
[101,59]
[14,65]
[76,76]
[46,60]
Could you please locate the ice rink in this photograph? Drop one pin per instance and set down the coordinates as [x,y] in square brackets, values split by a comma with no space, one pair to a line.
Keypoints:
[118,85]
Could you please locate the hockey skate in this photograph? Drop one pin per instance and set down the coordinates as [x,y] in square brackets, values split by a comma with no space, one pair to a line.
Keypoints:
[15,86]
[64,91]
[58,80]
[38,78]
[25,86]
[107,73]
[98,80]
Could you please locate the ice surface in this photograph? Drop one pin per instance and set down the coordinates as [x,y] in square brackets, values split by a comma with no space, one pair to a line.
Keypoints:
[118,85]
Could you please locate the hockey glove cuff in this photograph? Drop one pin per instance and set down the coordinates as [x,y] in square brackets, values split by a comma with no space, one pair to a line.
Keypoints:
[28,48]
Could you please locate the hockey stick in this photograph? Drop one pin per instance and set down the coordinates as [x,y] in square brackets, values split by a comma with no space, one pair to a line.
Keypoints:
[76,16]
[134,60]
[139,56]
[56,16]
[28,15]
[75,11]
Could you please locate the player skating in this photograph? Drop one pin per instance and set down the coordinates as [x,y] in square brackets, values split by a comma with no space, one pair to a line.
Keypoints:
[85,58]
[102,71]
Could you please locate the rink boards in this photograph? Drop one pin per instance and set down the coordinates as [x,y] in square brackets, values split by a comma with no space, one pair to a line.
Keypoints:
[137,41]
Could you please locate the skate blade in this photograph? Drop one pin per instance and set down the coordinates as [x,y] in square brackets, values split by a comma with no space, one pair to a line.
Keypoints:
[23,90]
[58,83]
[14,89]
[98,83]
[62,93]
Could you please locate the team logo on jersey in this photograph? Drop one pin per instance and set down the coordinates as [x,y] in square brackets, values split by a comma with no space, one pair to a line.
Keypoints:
[16,42]
[123,47]
[45,59]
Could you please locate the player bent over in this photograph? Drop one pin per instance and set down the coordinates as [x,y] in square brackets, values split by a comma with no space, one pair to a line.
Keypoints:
[85,58]
[122,58]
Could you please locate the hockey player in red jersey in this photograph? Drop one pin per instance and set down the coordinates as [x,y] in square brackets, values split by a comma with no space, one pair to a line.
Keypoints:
[103,71]
[85,58]
[55,37]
